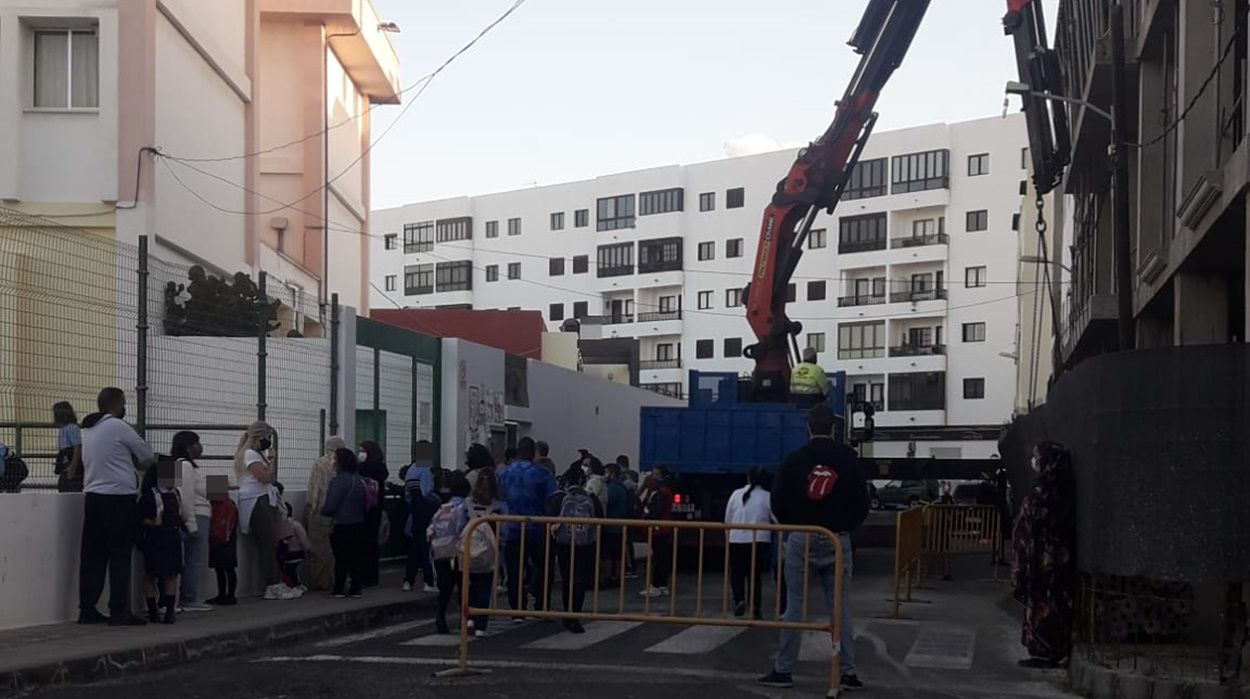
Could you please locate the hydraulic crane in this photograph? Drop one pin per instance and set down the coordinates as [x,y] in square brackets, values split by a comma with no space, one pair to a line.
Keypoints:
[823,169]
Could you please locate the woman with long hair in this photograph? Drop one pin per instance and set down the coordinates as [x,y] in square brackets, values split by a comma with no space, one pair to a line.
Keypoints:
[319,565]
[193,495]
[258,504]
[373,466]
[345,505]
[749,549]
[1044,570]
[68,448]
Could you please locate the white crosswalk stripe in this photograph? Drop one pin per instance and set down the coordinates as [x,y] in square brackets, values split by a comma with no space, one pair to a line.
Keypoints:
[384,631]
[817,647]
[596,632]
[697,639]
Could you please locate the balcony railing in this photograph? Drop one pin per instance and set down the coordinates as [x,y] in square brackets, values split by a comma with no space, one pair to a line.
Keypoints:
[917,350]
[915,241]
[655,364]
[618,271]
[609,319]
[918,295]
[651,266]
[658,316]
[850,246]
[847,301]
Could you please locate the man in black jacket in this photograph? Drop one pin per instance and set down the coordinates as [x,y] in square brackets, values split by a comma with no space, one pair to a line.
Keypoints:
[818,485]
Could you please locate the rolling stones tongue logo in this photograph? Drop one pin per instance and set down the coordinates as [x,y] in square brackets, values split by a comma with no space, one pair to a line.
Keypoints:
[820,482]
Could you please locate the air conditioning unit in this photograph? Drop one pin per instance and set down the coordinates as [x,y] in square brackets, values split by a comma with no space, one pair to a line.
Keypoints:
[1199,200]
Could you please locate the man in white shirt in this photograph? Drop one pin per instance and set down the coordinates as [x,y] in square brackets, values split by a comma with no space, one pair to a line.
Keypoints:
[111,454]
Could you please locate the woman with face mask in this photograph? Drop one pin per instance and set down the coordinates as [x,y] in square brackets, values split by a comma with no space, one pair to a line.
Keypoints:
[197,510]
[373,466]
[258,504]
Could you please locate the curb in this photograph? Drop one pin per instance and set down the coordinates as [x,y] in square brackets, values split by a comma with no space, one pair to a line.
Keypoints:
[1091,680]
[164,655]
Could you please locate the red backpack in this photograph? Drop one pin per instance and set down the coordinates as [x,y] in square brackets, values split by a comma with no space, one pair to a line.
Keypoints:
[225,521]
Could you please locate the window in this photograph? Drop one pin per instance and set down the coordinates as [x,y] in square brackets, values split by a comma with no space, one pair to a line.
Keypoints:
[816,341]
[817,238]
[514,226]
[418,279]
[878,286]
[492,273]
[919,337]
[1015,222]
[923,228]
[816,291]
[704,349]
[660,255]
[733,298]
[67,69]
[974,389]
[974,332]
[918,391]
[668,304]
[867,180]
[454,276]
[664,352]
[978,220]
[581,218]
[1024,158]
[661,201]
[615,213]
[449,229]
[492,229]
[707,251]
[580,309]
[862,233]
[557,221]
[514,270]
[974,277]
[707,201]
[391,241]
[418,237]
[733,247]
[555,267]
[735,198]
[705,300]
[916,172]
[555,312]
[791,293]
[616,260]
[391,282]
[861,340]
[733,347]
[581,264]
[978,164]
[921,282]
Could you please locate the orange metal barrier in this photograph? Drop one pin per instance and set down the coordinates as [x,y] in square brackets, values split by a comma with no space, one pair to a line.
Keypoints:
[952,530]
[664,613]
[908,553]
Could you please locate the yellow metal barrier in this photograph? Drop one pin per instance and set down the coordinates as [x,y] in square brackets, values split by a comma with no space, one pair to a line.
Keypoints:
[908,552]
[952,530]
[648,615]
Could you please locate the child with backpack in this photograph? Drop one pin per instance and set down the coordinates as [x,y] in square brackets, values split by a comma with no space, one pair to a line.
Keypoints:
[223,538]
[423,501]
[446,527]
[160,512]
[575,543]
[346,503]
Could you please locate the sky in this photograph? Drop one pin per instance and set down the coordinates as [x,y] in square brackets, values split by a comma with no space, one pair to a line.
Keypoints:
[571,89]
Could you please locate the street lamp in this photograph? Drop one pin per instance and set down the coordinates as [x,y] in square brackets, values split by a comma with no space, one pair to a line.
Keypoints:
[390,28]
[1033,259]
[1022,89]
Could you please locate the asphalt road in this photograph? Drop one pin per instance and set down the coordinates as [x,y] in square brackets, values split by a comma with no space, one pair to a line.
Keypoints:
[962,644]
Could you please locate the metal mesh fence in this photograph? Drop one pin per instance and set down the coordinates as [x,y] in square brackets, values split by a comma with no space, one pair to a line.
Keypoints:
[71,323]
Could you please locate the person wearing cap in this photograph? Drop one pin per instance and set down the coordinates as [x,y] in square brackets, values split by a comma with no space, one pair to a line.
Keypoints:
[808,383]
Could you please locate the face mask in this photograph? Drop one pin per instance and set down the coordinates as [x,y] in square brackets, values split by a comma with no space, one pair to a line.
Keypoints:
[1035,463]
[362,456]
[264,444]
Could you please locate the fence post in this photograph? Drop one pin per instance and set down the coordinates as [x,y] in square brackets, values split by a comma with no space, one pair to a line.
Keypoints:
[141,342]
[262,349]
[377,402]
[334,363]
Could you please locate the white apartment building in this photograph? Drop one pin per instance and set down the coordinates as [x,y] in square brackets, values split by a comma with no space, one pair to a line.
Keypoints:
[910,287]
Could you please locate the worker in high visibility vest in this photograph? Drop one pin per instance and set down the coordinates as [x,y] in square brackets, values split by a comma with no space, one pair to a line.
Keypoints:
[808,383]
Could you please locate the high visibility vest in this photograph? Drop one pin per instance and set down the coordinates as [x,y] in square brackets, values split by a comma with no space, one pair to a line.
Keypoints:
[808,379]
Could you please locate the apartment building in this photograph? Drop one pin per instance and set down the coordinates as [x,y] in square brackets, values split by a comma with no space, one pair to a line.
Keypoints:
[910,287]
[1186,91]
[239,90]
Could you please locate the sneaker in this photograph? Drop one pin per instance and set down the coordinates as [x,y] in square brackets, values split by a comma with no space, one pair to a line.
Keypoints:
[195,608]
[92,616]
[179,609]
[776,679]
[356,594]
[654,592]
[303,589]
[479,634]
[740,609]
[852,682]
[338,595]
[292,592]
[126,619]
[273,592]
[407,586]
[430,589]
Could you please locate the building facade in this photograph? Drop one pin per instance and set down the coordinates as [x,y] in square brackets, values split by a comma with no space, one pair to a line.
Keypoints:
[910,287]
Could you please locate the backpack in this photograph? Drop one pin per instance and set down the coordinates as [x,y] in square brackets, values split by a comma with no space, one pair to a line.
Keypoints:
[577,503]
[372,495]
[13,473]
[445,532]
[482,547]
[225,519]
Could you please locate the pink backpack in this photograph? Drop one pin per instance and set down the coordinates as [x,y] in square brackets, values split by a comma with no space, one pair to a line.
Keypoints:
[372,496]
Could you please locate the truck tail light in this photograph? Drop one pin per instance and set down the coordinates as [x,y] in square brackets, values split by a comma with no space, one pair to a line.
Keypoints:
[677,499]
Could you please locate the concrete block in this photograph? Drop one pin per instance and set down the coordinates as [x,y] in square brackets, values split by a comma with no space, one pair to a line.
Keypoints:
[1135,687]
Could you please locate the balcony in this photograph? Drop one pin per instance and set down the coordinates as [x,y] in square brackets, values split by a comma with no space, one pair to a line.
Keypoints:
[852,301]
[861,246]
[659,364]
[916,241]
[918,295]
[659,316]
[917,350]
[617,271]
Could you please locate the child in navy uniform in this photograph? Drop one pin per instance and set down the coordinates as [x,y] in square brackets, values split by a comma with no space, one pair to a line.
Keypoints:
[223,537]
[160,511]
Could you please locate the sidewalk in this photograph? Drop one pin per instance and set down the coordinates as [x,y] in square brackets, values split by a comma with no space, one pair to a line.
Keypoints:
[44,656]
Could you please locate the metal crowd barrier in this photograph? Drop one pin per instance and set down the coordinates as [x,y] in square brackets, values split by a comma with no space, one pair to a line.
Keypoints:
[648,615]
[908,553]
[929,537]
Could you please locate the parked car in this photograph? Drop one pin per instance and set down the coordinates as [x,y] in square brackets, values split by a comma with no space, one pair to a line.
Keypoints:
[904,494]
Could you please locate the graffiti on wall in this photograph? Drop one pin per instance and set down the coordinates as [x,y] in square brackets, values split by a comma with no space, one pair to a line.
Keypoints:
[486,409]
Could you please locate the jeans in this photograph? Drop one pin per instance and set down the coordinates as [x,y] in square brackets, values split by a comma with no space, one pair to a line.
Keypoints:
[110,527]
[419,557]
[821,569]
[347,541]
[194,556]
